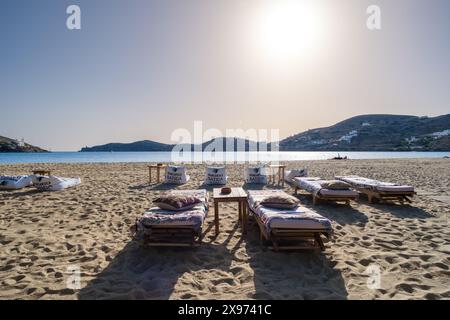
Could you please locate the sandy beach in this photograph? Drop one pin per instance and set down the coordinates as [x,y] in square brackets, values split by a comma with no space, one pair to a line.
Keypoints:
[42,234]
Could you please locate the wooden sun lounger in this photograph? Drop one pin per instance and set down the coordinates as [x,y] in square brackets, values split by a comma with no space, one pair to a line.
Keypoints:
[318,197]
[295,239]
[172,235]
[373,194]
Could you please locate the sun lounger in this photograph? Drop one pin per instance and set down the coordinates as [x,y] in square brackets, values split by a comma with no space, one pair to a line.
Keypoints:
[288,229]
[158,227]
[14,182]
[216,176]
[313,185]
[289,175]
[380,190]
[176,175]
[53,183]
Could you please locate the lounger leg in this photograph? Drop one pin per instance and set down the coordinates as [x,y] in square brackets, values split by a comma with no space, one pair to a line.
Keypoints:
[275,243]
[315,200]
[369,198]
[319,242]
[200,236]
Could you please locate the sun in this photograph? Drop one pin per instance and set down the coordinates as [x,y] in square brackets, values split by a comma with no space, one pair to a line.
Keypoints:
[288,30]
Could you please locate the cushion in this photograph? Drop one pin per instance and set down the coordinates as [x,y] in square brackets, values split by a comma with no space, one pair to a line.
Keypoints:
[176,202]
[215,175]
[334,185]
[297,173]
[280,201]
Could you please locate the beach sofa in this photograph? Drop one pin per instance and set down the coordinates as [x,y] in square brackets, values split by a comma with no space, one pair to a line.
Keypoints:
[53,183]
[215,176]
[379,190]
[288,228]
[176,175]
[161,226]
[15,182]
[256,175]
[328,190]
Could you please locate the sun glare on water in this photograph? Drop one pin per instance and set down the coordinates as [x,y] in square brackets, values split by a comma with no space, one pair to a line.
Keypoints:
[287,31]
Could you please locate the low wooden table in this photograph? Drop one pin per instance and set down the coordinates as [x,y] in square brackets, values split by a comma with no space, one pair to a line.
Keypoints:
[42,172]
[236,195]
[158,172]
[280,173]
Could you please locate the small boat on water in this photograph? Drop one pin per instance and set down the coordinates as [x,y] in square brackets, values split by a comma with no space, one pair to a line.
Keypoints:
[339,157]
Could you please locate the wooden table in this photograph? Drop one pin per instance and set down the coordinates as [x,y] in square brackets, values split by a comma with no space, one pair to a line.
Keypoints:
[280,173]
[158,172]
[42,172]
[237,195]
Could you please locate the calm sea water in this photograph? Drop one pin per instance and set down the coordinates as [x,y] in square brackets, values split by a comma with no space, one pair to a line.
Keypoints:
[102,157]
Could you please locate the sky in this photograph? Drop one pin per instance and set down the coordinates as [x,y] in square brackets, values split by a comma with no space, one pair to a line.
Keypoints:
[140,69]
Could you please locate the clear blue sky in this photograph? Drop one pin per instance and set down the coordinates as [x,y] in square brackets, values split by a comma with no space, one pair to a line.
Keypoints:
[139,69]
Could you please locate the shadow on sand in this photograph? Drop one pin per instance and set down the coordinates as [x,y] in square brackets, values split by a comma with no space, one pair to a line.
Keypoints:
[142,272]
[292,275]
[16,194]
[341,213]
[404,211]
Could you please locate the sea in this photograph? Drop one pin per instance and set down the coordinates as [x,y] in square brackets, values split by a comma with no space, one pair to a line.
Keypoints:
[200,157]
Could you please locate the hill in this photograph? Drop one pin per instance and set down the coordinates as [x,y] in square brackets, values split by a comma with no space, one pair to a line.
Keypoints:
[377,132]
[11,145]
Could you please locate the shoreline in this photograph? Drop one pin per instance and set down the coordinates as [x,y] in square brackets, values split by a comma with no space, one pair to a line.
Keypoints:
[445,156]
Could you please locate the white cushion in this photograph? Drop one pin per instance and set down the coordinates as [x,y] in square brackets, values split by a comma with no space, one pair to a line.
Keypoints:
[14,182]
[256,175]
[291,174]
[176,175]
[52,183]
[216,175]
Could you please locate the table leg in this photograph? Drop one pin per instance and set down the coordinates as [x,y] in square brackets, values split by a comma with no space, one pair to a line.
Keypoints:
[240,210]
[282,177]
[149,175]
[216,216]
[244,217]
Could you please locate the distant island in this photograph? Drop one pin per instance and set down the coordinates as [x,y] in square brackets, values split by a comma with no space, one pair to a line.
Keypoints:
[149,146]
[12,145]
[377,132]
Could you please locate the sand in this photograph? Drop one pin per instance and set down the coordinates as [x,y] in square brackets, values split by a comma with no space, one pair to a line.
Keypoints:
[44,235]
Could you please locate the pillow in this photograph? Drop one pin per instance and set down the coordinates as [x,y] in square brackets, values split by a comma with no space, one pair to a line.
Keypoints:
[335,185]
[176,202]
[297,173]
[280,202]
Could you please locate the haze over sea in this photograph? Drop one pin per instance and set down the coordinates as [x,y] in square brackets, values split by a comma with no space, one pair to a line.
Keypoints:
[229,157]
